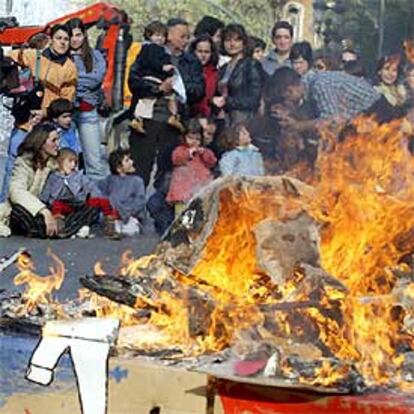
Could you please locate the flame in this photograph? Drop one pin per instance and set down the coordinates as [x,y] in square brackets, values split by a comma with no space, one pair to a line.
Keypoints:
[39,288]
[364,192]
[105,308]
[365,201]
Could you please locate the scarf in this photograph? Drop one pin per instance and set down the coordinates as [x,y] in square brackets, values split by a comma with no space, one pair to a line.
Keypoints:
[59,59]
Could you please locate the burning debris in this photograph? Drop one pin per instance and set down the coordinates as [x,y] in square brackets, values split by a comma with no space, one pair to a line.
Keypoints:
[279,282]
[259,286]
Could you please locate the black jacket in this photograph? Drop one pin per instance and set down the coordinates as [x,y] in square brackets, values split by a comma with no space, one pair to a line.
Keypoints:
[244,86]
[151,60]
[191,71]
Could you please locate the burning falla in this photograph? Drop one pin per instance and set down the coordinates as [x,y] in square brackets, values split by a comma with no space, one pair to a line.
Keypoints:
[244,263]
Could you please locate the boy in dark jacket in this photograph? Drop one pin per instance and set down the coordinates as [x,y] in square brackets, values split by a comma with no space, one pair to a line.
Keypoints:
[125,191]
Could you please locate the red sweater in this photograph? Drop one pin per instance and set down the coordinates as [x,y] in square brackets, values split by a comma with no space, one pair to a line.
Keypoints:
[211,76]
[190,173]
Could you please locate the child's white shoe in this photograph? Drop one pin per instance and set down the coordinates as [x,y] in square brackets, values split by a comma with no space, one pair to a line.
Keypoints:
[84,232]
[131,228]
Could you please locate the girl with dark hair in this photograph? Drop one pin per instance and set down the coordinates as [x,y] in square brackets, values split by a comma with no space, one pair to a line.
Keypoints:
[242,157]
[91,67]
[57,77]
[301,57]
[389,71]
[192,164]
[211,26]
[240,80]
[29,215]
[205,50]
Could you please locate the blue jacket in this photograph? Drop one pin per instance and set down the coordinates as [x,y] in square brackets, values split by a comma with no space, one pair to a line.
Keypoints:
[68,138]
[73,188]
[126,194]
[242,161]
[89,83]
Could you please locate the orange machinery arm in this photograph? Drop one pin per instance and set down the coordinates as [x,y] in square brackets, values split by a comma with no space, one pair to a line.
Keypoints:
[104,14]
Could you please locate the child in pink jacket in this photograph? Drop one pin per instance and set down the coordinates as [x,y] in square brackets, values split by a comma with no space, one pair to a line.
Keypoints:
[192,164]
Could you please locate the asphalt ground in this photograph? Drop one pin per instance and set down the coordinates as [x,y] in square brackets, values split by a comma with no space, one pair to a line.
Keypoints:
[78,255]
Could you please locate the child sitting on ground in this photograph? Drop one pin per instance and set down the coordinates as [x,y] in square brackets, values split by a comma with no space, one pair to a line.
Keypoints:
[68,189]
[125,191]
[192,167]
[60,112]
[154,65]
[243,157]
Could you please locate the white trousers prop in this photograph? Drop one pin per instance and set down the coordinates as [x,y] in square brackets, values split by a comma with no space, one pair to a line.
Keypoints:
[88,341]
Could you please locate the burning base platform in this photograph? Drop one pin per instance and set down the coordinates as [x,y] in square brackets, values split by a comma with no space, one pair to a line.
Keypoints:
[141,387]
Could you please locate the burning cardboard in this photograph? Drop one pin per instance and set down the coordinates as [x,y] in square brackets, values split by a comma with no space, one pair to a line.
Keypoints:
[308,273]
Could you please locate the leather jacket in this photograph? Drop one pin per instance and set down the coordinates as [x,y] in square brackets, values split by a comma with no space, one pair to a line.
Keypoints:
[244,86]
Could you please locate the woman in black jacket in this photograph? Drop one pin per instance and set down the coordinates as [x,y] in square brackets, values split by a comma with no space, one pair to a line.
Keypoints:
[240,80]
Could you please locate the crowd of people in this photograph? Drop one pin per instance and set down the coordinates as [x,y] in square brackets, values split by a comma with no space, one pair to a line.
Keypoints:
[205,104]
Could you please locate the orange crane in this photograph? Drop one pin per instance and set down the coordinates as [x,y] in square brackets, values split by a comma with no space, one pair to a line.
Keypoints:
[114,41]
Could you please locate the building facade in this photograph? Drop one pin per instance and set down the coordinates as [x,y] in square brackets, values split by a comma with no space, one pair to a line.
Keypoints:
[300,15]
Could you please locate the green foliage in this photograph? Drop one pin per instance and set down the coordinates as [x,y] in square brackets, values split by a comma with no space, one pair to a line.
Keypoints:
[360,22]
[257,16]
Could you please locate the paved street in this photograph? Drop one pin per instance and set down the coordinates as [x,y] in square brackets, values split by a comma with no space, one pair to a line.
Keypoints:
[78,255]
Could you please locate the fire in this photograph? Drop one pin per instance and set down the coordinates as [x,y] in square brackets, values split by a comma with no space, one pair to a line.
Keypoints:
[365,201]
[39,288]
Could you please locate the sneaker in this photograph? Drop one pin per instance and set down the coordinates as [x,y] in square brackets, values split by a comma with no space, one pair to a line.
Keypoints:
[131,228]
[84,232]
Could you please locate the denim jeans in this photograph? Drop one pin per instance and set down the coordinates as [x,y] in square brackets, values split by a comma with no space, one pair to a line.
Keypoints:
[90,136]
[161,212]
[16,138]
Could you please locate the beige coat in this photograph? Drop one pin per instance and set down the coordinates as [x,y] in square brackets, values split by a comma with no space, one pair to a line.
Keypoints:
[26,185]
